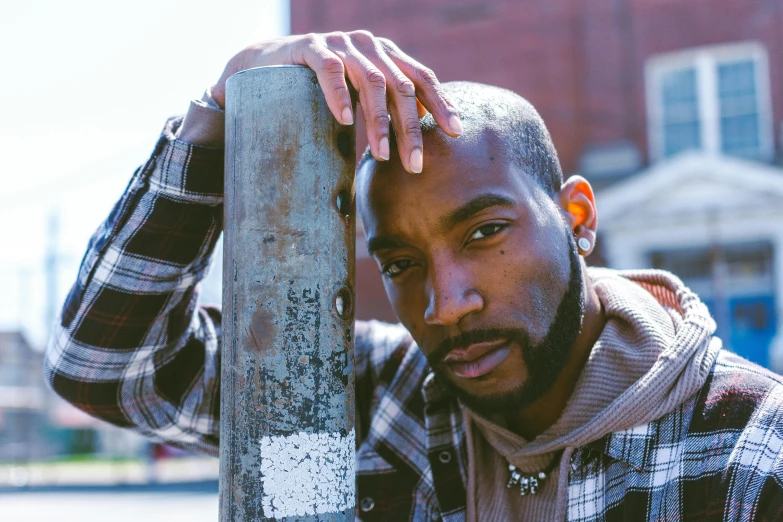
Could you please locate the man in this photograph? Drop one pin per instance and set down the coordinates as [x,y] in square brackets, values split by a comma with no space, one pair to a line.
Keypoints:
[520,386]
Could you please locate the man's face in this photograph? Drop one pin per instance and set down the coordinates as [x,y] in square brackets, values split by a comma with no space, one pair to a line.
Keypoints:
[479,266]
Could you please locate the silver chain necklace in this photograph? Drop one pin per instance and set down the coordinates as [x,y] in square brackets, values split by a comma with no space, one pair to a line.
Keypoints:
[530,484]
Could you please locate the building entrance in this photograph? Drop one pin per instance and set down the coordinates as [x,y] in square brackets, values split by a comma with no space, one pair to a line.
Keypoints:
[736,283]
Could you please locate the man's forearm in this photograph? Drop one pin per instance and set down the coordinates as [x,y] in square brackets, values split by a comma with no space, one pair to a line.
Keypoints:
[132,348]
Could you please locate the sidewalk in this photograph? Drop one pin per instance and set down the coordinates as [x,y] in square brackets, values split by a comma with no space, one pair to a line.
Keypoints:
[98,474]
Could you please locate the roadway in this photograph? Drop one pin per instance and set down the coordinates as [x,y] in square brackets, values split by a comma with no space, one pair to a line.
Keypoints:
[154,503]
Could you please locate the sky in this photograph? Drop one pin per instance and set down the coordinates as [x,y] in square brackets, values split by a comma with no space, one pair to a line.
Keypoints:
[86,88]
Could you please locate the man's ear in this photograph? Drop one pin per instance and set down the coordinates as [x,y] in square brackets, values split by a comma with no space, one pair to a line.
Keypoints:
[577,203]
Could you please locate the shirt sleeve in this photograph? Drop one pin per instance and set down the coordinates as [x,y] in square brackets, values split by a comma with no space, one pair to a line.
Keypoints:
[132,347]
[204,123]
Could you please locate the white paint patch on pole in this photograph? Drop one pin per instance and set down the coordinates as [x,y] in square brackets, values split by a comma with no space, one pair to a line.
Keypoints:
[308,474]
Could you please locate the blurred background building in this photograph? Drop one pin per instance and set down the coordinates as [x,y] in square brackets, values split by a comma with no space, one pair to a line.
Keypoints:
[23,417]
[672,109]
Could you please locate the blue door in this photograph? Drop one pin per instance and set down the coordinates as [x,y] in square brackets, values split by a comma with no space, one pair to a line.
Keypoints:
[753,325]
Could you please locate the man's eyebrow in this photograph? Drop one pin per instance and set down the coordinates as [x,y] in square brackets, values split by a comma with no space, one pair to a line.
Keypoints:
[385,243]
[473,207]
[469,209]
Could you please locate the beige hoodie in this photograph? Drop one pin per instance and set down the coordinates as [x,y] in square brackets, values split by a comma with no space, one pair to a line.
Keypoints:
[655,351]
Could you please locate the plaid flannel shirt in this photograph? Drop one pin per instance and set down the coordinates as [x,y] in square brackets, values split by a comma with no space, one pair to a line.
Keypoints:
[134,348]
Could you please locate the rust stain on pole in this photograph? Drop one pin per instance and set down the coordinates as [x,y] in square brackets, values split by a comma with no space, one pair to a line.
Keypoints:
[287,391]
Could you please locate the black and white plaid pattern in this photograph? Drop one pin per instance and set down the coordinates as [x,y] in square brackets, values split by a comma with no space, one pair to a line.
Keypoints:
[716,457]
[134,349]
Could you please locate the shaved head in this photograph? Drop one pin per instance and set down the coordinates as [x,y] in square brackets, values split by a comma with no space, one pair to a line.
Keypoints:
[507,117]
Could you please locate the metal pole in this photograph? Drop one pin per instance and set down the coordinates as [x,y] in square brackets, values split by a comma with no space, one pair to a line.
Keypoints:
[287,437]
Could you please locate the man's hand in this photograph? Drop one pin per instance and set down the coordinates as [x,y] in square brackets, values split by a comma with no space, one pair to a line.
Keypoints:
[390,84]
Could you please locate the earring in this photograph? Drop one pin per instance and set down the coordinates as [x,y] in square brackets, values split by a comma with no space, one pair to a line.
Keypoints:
[584,244]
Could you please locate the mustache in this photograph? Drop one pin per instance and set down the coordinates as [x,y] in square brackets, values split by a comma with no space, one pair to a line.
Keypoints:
[483,335]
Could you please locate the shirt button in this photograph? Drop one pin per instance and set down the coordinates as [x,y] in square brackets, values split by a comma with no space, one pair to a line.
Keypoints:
[444,457]
[367,504]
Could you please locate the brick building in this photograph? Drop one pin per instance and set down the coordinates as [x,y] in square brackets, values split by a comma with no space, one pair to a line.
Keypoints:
[633,92]
[585,65]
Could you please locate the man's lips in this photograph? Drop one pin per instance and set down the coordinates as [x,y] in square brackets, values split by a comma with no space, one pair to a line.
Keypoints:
[477,359]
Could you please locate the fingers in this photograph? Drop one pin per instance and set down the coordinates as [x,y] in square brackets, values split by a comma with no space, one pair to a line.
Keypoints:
[428,89]
[392,88]
[330,70]
[401,100]
[370,83]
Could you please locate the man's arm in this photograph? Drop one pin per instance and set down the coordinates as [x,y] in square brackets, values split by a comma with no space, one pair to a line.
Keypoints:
[132,347]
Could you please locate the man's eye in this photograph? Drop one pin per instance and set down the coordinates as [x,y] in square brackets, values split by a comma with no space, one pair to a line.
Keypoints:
[485,231]
[397,267]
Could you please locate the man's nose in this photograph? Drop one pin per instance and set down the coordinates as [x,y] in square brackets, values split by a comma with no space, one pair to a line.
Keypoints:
[451,296]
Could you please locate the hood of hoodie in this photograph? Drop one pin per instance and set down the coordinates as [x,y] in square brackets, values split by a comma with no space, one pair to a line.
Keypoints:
[656,350]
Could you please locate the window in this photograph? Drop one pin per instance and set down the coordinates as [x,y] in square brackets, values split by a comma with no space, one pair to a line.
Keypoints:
[681,125]
[752,259]
[738,108]
[687,263]
[714,99]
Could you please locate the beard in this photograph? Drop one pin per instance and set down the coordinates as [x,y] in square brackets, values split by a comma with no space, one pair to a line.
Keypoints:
[544,360]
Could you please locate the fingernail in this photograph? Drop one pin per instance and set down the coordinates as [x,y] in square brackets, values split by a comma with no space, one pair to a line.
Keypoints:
[383,148]
[347,116]
[416,161]
[455,124]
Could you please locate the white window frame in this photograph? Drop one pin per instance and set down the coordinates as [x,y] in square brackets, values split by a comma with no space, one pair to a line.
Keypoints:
[705,61]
